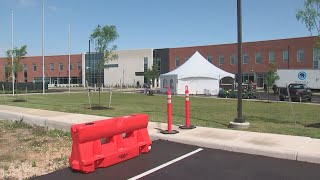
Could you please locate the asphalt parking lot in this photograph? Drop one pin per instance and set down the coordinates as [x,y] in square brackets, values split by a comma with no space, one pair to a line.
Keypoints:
[272,97]
[264,96]
[168,160]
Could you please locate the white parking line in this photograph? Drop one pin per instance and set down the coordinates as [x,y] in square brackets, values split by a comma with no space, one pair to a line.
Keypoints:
[165,164]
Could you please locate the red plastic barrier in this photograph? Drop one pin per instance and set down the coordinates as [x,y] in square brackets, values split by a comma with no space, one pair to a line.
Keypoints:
[107,142]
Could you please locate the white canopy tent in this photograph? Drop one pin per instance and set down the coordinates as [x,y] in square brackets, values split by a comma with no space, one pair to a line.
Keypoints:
[199,74]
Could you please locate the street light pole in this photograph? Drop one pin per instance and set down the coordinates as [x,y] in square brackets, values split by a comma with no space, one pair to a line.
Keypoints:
[87,66]
[43,82]
[12,73]
[239,121]
[123,77]
[69,59]
[239,19]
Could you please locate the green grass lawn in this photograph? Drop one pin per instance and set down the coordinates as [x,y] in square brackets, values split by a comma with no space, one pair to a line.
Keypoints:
[211,112]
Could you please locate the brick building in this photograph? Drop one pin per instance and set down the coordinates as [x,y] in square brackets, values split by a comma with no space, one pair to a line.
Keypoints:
[56,69]
[294,53]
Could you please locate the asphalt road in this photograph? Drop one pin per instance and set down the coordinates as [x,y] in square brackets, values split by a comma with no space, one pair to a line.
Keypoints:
[204,164]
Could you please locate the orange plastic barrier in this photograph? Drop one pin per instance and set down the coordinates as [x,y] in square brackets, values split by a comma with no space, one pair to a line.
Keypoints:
[107,142]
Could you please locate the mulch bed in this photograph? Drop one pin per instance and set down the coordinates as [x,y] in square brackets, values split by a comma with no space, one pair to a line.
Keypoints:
[97,107]
[19,100]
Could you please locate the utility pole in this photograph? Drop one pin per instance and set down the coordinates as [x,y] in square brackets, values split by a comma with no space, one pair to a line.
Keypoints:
[239,121]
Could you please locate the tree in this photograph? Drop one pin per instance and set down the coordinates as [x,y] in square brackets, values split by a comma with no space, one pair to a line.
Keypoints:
[103,37]
[272,77]
[310,16]
[18,54]
[152,73]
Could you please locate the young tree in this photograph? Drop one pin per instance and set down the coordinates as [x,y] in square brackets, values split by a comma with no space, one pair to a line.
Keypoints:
[272,77]
[18,54]
[155,68]
[310,16]
[103,37]
[152,73]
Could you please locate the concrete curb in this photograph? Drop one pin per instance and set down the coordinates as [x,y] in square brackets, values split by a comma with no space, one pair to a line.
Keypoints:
[299,154]
[308,157]
[52,124]
[262,151]
[235,147]
[30,119]
[34,120]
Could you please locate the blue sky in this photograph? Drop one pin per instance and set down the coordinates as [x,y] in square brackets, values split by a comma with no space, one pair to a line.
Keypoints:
[145,23]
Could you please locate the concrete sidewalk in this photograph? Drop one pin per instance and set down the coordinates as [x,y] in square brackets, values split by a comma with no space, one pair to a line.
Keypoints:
[273,145]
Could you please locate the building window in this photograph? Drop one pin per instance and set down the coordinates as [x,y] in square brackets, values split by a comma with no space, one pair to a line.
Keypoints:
[177,61]
[34,67]
[79,66]
[25,68]
[111,65]
[315,64]
[51,66]
[285,56]
[25,73]
[210,59]
[159,64]
[6,72]
[61,67]
[245,58]
[71,67]
[271,57]
[233,58]
[300,55]
[316,58]
[145,64]
[221,59]
[258,58]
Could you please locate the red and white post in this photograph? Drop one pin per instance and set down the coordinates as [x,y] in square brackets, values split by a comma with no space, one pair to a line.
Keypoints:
[169,115]
[187,125]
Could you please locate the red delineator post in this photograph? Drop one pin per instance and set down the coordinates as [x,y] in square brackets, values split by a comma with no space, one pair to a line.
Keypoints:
[169,115]
[187,125]
[169,109]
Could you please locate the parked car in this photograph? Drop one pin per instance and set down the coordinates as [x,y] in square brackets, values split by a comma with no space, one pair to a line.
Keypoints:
[298,92]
